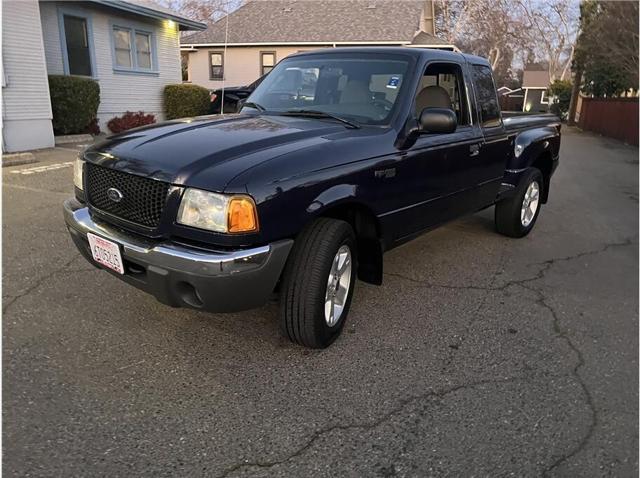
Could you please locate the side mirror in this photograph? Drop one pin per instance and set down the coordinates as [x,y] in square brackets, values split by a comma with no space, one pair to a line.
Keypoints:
[438,120]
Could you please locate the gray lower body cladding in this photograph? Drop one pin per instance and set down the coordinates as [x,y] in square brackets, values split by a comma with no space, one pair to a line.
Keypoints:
[214,281]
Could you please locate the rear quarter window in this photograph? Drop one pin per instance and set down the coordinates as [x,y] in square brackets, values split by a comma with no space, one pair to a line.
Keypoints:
[486,96]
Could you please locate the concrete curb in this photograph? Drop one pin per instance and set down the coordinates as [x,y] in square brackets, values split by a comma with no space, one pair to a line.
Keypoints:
[16,159]
[74,138]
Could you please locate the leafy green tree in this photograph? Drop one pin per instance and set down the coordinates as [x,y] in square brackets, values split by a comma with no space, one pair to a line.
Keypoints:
[561,93]
[607,47]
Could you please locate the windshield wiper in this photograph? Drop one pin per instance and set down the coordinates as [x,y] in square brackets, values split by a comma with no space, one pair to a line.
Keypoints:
[251,104]
[321,114]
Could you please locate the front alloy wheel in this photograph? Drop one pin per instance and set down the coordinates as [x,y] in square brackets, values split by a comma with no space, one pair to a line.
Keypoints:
[338,286]
[530,203]
[318,282]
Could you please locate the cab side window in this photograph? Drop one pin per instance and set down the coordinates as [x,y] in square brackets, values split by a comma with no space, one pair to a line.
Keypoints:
[486,96]
[442,86]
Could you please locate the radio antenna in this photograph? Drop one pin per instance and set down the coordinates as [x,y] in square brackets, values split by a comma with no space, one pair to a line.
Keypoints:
[224,55]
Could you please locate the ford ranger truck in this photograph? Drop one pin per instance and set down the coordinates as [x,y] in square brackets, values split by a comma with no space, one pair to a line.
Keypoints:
[336,157]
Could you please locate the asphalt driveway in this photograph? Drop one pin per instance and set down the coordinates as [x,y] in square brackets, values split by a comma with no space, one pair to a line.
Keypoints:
[479,356]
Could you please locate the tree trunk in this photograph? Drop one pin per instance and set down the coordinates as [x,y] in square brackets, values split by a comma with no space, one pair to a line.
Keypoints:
[567,65]
[575,92]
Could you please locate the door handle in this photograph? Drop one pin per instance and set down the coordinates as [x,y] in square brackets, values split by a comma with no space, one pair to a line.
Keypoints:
[474,150]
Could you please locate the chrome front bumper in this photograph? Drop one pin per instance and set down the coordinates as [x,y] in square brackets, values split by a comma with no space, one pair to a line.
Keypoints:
[177,275]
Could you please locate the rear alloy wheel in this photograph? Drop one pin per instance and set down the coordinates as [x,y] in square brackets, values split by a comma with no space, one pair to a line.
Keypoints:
[318,283]
[516,216]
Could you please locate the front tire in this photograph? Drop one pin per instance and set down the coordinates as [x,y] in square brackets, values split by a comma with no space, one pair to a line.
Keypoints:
[318,283]
[516,216]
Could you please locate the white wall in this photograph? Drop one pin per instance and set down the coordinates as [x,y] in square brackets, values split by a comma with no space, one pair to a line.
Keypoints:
[119,92]
[241,65]
[26,109]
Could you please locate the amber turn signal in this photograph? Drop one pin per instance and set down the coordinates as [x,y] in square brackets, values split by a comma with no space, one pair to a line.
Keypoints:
[242,215]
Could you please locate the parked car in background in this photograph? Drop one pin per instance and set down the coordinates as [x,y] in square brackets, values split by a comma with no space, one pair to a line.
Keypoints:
[304,190]
[233,96]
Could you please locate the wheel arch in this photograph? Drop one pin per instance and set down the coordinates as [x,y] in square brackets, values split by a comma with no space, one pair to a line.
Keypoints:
[544,162]
[536,148]
[366,227]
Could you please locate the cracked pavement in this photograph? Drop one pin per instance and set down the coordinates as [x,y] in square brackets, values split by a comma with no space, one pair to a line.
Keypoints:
[479,356]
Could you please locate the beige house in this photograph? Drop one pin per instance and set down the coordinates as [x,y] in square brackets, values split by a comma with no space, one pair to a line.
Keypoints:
[263,32]
[535,85]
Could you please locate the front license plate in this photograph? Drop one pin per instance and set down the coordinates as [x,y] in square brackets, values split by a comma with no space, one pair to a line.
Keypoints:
[106,253]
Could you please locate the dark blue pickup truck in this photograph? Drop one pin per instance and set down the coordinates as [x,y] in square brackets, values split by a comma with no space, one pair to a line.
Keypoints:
[338,156]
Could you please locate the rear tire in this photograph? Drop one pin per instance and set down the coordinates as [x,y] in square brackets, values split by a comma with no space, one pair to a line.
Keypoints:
[313,283]
[516,216]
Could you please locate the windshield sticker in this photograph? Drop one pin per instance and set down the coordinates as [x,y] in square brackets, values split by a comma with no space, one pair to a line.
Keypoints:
[394,81]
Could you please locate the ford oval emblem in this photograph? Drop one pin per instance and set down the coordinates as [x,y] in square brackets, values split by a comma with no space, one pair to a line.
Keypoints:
[114,195]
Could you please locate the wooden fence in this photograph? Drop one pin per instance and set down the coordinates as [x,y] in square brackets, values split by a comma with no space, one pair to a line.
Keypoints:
[613,117]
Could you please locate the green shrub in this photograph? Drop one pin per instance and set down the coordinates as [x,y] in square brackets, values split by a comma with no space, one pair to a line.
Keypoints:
[181,101]
[74,102]
[561,94]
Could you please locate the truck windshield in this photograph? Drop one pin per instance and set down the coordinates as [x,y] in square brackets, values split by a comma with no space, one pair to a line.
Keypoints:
[361,90]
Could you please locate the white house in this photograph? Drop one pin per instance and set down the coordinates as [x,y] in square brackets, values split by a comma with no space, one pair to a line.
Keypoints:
[131,48]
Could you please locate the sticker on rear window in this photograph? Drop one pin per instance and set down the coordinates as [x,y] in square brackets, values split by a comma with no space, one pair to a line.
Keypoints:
[394,81]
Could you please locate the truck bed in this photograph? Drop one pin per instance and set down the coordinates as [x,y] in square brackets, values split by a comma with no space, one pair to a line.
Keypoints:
[515,120]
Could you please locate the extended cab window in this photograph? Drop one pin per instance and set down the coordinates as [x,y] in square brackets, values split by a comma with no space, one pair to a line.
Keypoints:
[358,89]
[486,96]
[442,86]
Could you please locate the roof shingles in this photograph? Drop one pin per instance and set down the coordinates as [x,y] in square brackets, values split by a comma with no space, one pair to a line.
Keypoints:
[317,21]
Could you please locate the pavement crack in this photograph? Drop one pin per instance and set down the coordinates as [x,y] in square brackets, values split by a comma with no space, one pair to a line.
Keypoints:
[402,404]
[37,284]
[604,248]
[429,285]
[544,266]
[542,301]
[564,335]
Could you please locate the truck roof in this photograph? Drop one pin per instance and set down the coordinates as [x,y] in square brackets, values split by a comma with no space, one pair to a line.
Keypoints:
[429,53]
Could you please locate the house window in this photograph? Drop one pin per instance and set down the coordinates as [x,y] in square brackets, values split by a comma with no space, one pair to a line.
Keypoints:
[78,53]
[216,62]
[267,61]
[143,50]
[122,43]
[184,65]
[133,49]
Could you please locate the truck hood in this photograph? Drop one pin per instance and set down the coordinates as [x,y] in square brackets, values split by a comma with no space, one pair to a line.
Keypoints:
[208,152]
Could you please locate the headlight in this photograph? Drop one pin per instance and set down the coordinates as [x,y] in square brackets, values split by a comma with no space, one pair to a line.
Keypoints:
[218,212]
[78,169]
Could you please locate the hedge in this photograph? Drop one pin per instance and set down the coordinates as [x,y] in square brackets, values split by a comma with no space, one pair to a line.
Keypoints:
[74,102]
[182,101]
